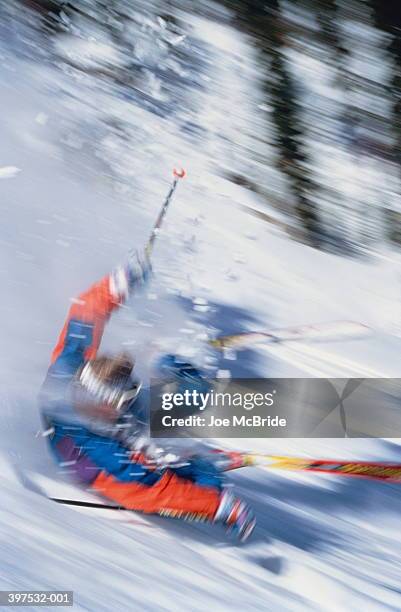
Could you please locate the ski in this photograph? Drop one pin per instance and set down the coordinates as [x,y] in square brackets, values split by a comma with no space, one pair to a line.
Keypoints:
[41,488]
[373,470]
[86,504]
[334,330]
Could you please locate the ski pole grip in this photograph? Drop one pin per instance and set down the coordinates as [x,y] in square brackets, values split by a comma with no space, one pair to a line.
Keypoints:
[179,173]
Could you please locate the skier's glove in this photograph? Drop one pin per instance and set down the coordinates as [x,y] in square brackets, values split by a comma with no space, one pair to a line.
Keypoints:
[155,458]
[139,268]
[124,278]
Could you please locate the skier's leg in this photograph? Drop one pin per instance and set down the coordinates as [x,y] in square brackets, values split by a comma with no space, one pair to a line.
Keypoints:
[169,495]
[232,511]
[180,497]
[191,492]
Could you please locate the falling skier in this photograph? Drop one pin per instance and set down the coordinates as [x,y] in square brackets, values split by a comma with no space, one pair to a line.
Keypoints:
[94,411]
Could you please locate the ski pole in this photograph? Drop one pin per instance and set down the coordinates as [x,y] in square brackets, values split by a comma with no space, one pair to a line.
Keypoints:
[178,174]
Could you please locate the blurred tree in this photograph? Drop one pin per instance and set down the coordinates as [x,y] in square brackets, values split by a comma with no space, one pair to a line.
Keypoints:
[265,21]
[44,5]
[387,17]
[328,16]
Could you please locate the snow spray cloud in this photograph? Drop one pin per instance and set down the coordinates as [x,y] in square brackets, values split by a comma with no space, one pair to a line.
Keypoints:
[278,408]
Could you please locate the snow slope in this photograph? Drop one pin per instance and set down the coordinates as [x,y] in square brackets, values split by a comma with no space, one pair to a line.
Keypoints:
[81,199]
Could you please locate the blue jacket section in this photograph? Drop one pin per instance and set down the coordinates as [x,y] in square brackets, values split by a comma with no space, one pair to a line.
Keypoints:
[87,454]
[72,443]
[78,338]
[55,395]
[183,373]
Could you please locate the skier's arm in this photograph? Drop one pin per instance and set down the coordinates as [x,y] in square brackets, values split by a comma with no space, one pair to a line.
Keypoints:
[90,311]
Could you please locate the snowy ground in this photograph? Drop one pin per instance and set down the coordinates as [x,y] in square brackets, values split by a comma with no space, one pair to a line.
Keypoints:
[320,544]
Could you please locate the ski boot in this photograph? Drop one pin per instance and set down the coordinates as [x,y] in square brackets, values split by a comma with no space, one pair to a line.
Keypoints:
[236,515]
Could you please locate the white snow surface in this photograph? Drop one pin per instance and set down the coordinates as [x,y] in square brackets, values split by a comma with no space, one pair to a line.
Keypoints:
[321,543]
